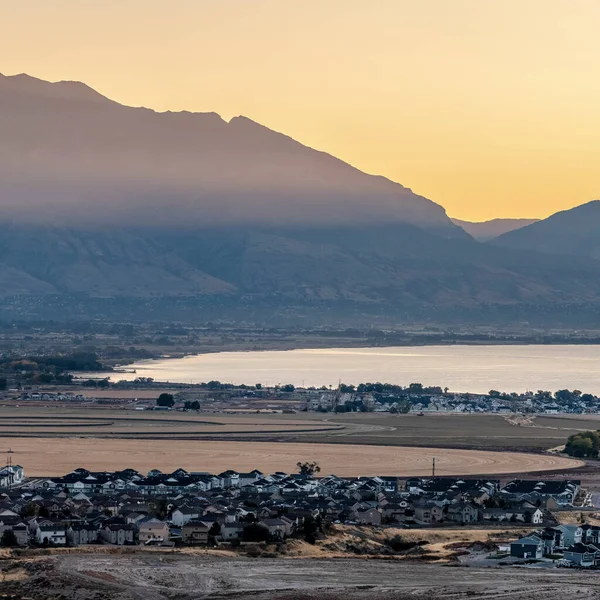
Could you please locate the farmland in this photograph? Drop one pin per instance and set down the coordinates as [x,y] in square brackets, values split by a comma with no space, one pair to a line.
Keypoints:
[43,456]
[476,431]
[50,441]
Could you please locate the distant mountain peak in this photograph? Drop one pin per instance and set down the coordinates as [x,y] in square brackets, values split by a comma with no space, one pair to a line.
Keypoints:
[67,90]
[115,164]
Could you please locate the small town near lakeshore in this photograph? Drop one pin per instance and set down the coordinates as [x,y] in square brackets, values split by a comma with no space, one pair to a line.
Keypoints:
[365,397]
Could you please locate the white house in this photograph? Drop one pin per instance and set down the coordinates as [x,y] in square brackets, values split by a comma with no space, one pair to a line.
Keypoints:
[184,515]
[51,534]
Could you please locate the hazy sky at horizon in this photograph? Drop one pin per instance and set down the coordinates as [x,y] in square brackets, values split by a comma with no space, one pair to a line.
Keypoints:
[490,108]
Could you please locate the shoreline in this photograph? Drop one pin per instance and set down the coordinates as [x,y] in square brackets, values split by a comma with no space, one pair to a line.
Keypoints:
[305,374]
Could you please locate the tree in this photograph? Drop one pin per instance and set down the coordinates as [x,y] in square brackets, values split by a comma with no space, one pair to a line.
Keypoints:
[494,394]
[258,386]
[165,400]
[256,532]
[288,387]
[563,395]
[585,444]
[415,388]
[3,383]
[248,518]
[404,407]
[310,525]
[30,510]
[308,468]
[8,538]
[213,532]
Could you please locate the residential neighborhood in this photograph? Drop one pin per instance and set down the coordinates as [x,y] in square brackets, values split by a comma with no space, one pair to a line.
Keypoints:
[198,508]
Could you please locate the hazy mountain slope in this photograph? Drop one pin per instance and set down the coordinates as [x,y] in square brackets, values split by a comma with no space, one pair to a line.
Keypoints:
[69,155]
[573,232]
[487,230]
[398,265]
[41,260]
[100,201]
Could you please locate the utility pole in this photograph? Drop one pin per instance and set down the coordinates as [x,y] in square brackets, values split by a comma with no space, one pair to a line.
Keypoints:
[433,467]
[9,474]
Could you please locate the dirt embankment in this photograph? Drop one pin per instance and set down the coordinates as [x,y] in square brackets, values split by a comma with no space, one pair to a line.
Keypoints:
[181,576]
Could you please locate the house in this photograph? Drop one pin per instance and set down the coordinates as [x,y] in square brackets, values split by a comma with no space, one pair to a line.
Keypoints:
[118,534]
[527,547]
[590,534]
[462,512]
[277,528]
[231,531]
[194,533]
[368,516]
[183,515]
[571,535]
[11,475]
[428,512]
[81,534]
[583,555]
[153,530]
[14,523]
[50,534]
[135,518]
[21,534]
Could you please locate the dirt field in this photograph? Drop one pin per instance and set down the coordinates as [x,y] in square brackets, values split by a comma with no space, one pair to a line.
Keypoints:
[466,431]
[170,576]
[494,432]
[54,456]
[31,421]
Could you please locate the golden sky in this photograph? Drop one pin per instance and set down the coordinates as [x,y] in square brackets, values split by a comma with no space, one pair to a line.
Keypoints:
[488,107]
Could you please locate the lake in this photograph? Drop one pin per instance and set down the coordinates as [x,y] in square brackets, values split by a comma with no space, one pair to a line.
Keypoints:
[460,368]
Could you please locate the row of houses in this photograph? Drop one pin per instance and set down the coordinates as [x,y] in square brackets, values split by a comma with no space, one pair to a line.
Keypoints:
[128,507]
[578,545]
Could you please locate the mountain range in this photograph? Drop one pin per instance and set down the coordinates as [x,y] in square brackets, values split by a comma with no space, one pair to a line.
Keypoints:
[574,232]
[105,204]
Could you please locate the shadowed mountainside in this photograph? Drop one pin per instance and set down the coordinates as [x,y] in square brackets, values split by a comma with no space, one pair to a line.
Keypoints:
[574,232]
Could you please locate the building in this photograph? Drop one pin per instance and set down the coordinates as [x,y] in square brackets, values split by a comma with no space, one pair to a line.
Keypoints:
[583,555]
[194,533]
[527,547]
[79,535]
[153,530]
[118,534]
[50,534]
